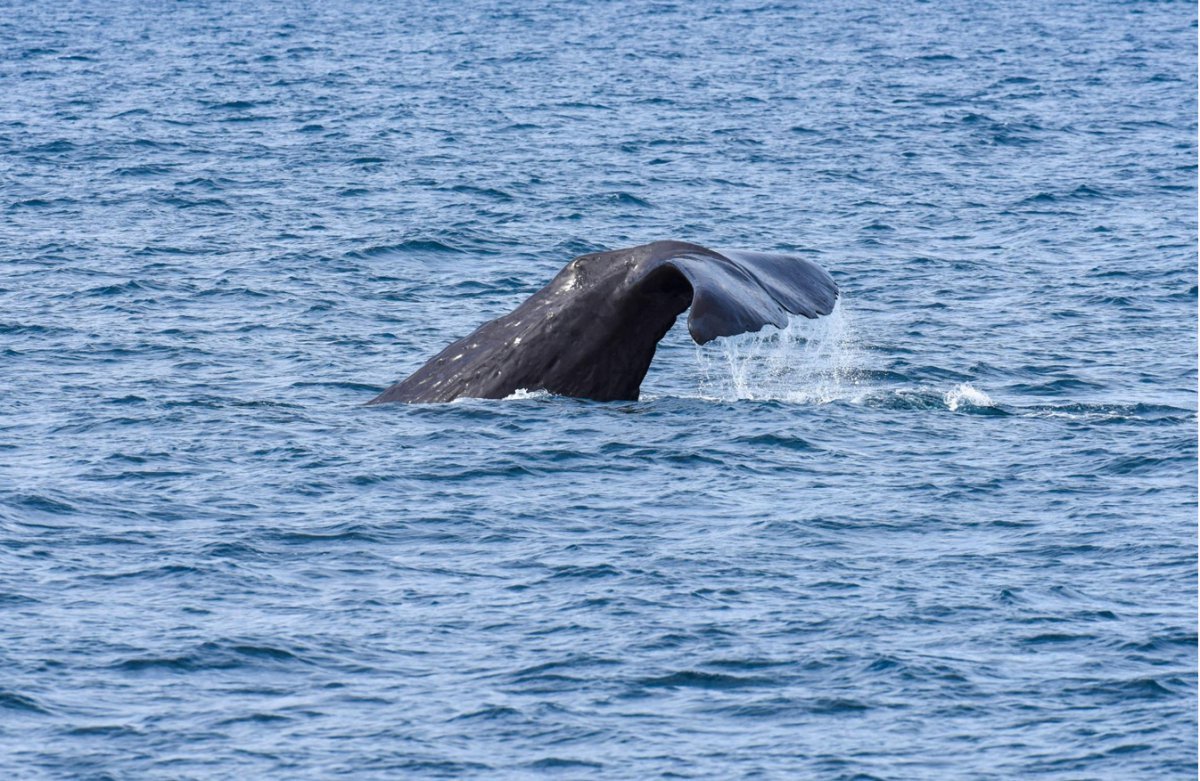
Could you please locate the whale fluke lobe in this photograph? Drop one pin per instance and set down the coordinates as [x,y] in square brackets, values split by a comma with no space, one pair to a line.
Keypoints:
[592,332]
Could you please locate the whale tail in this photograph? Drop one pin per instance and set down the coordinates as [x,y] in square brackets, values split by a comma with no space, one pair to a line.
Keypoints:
[593,330]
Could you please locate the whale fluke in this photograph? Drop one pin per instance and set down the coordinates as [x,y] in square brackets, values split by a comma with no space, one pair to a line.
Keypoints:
[592,332]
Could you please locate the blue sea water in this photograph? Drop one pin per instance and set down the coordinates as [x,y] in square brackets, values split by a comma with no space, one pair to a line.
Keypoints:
[948,532]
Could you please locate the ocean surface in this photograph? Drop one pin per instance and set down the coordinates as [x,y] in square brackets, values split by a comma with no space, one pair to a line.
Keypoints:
[947,532]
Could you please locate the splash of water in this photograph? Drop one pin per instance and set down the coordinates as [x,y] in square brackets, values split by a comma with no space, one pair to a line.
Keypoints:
[966,395]
[810,361]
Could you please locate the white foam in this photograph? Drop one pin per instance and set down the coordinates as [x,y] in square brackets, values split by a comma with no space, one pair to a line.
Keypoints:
[521,394]
[967,395]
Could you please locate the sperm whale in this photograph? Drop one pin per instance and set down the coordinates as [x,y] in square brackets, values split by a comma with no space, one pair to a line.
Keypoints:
[592,331]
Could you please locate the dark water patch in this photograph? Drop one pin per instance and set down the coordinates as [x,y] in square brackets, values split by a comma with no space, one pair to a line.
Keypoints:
[490,193]
[13,701]
[837,707]
[587,572]
[212,656]
[105,731]
[159,572]
[206,183]
[555,764]
[357,387]
[427,767]
[1081,193]
[137,475]
[53,147]
[41,203]
[1145,464]
[232,292]
[42,504]
[1056,638]
[746,664]
[1160,643]
[22,329]
[129,286]
[169,250]
[1133,689]
[13,600]
[776,440]
[254,719]
[344,533]
[1057,387]
[146,170]
[248,118]
[490,713]
[628,199]
[233,105]
[696,679]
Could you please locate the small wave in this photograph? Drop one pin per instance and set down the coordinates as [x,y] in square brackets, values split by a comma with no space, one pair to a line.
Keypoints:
[233,105]
[105,730]
[168,250]
[628,199]
[833,706]
[337,535]
[138,171]
[62,145]
[488,713]
[40,203]
[585,572]
[778,440]
[254,718]
[45,504]
[561,763]
[695,679]
[492,193]
[404,247]
[1081,193]
[220,655]
[1150,413]
[10,700]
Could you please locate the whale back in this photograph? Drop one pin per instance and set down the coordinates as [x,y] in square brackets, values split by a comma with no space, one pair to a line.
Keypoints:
[593,330]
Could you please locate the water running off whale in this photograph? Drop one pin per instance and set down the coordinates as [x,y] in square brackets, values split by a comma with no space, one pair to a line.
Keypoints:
[592,332]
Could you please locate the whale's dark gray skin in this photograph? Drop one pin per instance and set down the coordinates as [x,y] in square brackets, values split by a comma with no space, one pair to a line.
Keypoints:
[592,332]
